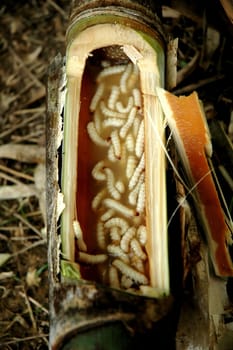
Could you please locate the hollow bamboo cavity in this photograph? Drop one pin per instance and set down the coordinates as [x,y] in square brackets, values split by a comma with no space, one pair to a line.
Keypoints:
[113,171]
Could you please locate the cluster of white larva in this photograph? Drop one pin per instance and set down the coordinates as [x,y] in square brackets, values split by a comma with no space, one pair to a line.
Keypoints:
[117,132]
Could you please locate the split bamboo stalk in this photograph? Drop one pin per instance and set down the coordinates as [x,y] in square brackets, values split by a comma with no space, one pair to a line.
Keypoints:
[109,192]
[137,268]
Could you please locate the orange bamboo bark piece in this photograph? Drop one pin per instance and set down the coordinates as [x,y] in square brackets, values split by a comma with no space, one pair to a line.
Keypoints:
[188,125]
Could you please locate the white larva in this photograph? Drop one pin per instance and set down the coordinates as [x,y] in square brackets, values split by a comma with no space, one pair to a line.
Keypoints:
[116,252]
[136,125]
[137,249]
[109,112]
[129,143]
[121,109]
[128,271]
[107,215]
[126,282]
[97,97]
[114,281]
[131,166]
[115,234]
[141,199]
[111,154]
[119,207]
[97,122]
[106,72]
[79,235]
[94,135]
[137,97]
[120,186]
[138,264]
[133,195]
[98,171]
[142,234]
[113,97]
[117,222]
[139,146]
[115,140]
[110,183]
[96,201]
[137,172]
[134,76]
[92,259]
[151,291]
[100,235]
[125,128]
[113,122]
[124,153]
[124,78]
[126,238]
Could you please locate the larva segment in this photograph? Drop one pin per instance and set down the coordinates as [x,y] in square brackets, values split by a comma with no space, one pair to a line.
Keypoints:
[91,258]
[96,138]
[115,91]
[139,147]
[126,239]
[121,209]
[97,97]
[115,140]
[114,277]
[125,109]
[128,271]
[79,235]
[117,252]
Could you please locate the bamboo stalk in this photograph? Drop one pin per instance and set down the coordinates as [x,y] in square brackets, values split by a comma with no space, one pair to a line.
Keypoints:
[77,300]
[132,43]
[110,284]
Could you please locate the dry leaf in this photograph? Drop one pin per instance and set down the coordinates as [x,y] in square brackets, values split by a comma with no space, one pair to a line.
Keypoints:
[32,279]
[3,258]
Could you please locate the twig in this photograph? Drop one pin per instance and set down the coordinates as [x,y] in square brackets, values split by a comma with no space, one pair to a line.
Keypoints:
[11,179]
[24,295]
[184,72]
[16,173]
[27,223]
[37,304]
[32,137]
[18,340]
[20,125]
[33,245]
[226,176]
[26,69]
[58,8]
[17,191]
[30,110]
[23,153]
[195,86]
